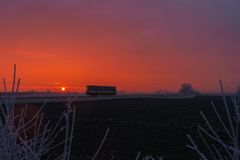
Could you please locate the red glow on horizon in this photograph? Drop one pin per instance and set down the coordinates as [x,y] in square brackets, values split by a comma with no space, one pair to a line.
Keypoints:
[155,46]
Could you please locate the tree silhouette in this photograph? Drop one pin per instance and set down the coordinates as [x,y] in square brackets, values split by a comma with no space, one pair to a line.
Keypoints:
[187,89]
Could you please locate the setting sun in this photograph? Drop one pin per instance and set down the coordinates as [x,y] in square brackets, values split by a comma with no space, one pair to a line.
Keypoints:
[63,89]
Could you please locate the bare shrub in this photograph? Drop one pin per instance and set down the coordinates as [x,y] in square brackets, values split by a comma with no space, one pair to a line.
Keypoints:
[217,146]
[23,138]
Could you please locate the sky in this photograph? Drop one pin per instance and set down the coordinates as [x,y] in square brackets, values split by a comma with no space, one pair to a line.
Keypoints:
[137,45]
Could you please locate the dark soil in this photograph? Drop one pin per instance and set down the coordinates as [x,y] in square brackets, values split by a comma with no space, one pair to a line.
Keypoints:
[152,126]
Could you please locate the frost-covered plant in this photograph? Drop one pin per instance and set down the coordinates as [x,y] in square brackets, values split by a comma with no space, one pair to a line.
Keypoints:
[148,157]
[219,147]
[22,138]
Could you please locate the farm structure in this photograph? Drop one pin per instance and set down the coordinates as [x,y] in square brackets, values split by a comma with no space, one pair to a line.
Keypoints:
[94,90]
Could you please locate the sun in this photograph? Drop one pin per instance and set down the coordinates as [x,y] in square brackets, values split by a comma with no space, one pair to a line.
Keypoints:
[63,89]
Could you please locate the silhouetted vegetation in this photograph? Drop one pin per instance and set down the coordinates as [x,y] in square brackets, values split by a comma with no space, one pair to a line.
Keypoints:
[187,89]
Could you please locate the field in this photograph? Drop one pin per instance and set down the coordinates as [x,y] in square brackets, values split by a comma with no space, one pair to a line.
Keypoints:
[152,126]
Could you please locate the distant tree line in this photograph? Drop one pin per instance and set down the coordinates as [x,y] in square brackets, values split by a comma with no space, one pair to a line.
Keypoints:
[187,89]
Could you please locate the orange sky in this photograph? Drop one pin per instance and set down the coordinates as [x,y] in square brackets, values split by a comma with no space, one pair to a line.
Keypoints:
[135,45]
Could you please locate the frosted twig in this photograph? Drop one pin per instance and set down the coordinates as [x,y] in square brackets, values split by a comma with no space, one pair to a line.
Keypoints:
[101,144]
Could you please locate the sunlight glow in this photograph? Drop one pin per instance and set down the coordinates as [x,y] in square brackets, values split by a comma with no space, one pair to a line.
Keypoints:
[63,89]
